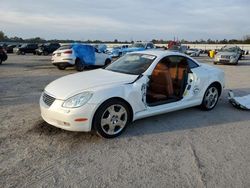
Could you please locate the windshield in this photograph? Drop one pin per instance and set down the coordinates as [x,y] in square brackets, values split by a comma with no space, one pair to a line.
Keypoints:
[134,64]
[65,47]
[228,50]
[138,45]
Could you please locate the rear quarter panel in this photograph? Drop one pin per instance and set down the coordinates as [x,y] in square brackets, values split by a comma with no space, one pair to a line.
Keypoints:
[206,75]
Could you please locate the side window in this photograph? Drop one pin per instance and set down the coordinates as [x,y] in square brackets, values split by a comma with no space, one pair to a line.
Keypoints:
[96,50]
[149,46]
[175,60]
[192,64]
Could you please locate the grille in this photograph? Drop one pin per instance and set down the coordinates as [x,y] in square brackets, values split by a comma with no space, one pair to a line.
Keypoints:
[48,99]
[225,56]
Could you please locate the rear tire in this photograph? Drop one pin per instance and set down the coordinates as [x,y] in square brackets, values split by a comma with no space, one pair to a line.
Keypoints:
[79,65]
[61,67]
[215,63]
[211,98]
[1,61]
[107,62]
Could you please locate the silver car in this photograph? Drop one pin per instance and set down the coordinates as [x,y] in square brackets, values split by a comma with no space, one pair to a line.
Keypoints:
[228,54]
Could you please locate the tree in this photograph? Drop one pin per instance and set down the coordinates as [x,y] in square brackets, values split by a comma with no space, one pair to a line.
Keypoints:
[246,39]
[2,35]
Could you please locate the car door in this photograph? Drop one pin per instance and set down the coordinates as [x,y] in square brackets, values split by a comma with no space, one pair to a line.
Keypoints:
[100,58]
[31,48]
[188,98]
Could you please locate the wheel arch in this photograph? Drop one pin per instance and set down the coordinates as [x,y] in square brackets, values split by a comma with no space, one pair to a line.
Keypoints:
[131,111]
[77,58]
[218,85]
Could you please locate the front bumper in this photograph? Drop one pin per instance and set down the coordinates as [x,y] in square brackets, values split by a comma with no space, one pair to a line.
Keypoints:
[225,60]
[68,118]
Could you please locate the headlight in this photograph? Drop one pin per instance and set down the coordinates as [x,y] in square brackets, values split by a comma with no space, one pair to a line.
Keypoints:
[78,100]
[233,56]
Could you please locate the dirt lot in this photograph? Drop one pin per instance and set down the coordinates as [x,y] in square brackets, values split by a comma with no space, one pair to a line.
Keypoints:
[188,148]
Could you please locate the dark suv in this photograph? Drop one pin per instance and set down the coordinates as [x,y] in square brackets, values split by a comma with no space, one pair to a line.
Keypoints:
[47,48]
[3,55]
[26,48]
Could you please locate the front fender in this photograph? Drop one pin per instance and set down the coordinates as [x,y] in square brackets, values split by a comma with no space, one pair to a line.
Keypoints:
[130,92]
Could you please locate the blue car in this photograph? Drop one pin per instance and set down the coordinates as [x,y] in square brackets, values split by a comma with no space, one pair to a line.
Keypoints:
[116,51]
[138,46]
[80,56]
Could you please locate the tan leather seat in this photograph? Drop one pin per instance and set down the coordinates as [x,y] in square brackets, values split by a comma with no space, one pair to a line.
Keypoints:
[161,86]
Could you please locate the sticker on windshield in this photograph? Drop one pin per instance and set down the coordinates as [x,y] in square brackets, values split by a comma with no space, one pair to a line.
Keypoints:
[151,57]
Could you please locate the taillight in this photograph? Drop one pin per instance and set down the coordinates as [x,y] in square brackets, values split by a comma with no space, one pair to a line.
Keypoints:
[68,52]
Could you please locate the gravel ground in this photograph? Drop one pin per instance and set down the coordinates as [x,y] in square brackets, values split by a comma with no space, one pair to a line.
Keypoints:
[188,148]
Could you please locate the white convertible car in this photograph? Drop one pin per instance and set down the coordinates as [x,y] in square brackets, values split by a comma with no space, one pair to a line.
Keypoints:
[138,85]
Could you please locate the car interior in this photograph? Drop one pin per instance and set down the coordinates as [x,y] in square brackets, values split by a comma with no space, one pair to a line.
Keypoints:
[168,81]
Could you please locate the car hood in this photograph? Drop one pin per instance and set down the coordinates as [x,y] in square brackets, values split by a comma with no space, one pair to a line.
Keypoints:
[190,51]
[73,84]
[225,53]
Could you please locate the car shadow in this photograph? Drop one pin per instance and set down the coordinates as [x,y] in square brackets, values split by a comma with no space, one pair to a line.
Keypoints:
[187,119]
[191,118]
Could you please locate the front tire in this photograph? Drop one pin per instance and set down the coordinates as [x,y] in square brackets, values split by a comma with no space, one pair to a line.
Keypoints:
[1,61]
[79,65]
[210,98]
[111,118]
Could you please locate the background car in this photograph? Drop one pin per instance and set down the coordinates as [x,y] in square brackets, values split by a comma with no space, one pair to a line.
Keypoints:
[80,56]
[47,48]
[193,52]
[9,48]
[116,51]
[3,55]
[137,85]
[138,46]
[101,47]
[26,48]
[178,48]
[228,54]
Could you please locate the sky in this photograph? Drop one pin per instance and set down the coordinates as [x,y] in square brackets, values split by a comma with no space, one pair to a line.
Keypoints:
[126,20]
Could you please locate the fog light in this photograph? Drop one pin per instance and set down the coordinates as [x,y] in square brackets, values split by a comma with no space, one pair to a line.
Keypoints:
[66,124]
[63,123]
